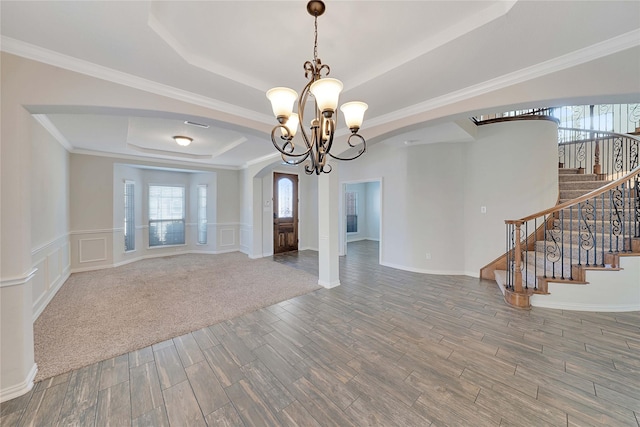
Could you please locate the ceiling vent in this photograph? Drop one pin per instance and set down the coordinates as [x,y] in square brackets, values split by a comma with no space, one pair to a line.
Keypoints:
[200,125]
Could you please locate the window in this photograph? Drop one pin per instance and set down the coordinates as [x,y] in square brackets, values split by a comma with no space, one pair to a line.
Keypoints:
[202,214]
[351,208]
[285,198]
[166,215]
[129,218]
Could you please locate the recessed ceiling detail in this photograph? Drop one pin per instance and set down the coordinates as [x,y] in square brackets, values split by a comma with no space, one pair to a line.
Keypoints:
[411,61]
[168,153]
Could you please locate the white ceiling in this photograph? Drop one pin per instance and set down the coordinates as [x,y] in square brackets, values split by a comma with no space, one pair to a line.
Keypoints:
[397,56]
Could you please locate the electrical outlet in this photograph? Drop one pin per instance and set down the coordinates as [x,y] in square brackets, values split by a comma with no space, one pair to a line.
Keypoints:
[428,255]
[483,209]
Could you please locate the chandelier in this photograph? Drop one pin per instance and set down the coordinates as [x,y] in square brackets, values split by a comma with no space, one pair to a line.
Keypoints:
[325,92]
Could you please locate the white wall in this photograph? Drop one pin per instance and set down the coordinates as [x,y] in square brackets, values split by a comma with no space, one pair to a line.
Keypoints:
[308,212]
[373,210]
[606,291]
[512,170]
[49,216]
[431,194]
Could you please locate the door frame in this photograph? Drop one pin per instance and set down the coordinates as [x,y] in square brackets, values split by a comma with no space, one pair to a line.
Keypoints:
[343,216]
[296,208]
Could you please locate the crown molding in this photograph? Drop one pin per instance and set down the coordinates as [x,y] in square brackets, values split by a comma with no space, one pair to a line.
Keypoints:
[40,54]
[205,167]
[581,56]
[272,156]
[53,130]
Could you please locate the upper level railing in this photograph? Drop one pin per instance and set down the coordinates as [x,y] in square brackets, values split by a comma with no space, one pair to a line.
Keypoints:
[607,154]
[619,118]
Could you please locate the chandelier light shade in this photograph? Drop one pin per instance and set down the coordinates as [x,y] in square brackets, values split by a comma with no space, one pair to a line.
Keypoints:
[182,140]
[353,113]
[325,91]
[292,126]
[282,100]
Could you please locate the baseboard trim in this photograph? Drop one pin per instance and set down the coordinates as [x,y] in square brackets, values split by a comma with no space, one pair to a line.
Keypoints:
[19,389]
[329,285]
[143,257]
[424,271]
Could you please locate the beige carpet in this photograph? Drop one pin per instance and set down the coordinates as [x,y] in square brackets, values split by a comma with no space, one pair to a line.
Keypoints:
[101,314]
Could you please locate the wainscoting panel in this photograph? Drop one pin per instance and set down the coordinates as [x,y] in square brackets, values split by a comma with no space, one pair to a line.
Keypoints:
[92,250]
[227,234]
[52,264]
[245,238]
[227,237]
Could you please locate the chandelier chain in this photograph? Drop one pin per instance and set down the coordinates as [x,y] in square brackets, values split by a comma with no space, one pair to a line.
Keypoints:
[315,41]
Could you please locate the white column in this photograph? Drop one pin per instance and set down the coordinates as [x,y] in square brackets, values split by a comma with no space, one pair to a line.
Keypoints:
[18,367]
[328,234]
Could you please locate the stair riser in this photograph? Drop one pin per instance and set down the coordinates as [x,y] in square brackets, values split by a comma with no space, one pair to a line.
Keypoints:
[569,214]
[613,245]
[597,227]
[582,185]
[574,194]
[577,178]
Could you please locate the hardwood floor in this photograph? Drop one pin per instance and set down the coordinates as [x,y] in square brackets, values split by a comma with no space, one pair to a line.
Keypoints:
[387,348]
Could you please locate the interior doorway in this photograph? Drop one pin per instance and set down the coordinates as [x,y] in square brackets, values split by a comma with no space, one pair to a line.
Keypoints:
[285,212]
[361,213]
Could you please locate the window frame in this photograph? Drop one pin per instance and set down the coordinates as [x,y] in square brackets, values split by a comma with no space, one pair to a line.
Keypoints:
[170,209]
[351,210]
[202,215]
[129,229]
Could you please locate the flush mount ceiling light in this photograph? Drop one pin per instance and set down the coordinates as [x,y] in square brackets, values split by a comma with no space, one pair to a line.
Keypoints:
[325,92]
[183,140]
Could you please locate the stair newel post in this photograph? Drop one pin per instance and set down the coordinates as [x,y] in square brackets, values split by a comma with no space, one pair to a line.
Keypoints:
[517,277]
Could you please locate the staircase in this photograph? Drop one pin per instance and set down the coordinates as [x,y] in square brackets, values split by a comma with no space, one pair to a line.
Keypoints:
[595,224]
[573,183]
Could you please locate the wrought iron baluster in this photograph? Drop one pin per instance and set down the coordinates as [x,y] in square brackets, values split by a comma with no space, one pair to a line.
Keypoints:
[526,259]
[508,252]
[603,230]
[544,265]
[610,221]
[637,207]
[571,240]
[578,230]
[562,244]
[616,217]
[535,252]
[595,231]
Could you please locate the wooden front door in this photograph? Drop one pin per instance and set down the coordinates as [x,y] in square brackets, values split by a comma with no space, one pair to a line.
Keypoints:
[285,212]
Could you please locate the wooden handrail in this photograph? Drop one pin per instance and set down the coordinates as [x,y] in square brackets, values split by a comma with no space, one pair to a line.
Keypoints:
[580,199]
